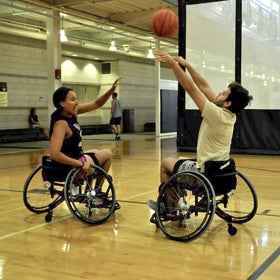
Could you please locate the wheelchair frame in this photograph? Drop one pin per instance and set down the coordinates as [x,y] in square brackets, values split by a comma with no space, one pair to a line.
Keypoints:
[91,199]
[193,203]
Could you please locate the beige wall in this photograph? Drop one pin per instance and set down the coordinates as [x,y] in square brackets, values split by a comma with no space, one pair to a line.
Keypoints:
[24,68]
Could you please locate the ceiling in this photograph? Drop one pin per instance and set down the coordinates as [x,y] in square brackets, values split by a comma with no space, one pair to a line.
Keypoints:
[90,24]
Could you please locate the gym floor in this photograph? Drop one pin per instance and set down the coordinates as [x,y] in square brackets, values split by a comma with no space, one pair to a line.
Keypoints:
[127,245]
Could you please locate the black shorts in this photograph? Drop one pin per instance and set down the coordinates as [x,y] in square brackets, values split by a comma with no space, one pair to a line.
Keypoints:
[92,155]
[115,121]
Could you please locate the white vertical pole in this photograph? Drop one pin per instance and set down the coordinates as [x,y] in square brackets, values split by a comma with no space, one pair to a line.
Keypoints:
[157,93]
[53,54]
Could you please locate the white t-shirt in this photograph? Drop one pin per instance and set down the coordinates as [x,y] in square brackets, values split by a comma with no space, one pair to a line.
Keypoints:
[215,134]
[117,108]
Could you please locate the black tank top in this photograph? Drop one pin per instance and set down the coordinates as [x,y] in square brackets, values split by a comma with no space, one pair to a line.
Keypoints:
[34,117]
[71,146]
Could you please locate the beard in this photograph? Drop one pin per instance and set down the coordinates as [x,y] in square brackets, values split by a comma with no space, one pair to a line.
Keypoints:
[220,103]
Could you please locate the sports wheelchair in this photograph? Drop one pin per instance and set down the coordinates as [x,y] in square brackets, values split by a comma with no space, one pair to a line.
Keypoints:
[187,202]
[91,199]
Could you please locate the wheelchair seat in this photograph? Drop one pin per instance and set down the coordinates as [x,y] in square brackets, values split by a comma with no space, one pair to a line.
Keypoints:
[54,171]
[222,175]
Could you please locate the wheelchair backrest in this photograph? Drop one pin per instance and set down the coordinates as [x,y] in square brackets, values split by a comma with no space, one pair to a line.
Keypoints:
[54,171]
[221,174]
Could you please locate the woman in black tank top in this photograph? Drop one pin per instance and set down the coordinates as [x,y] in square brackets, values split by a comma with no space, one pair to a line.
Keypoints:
[66,134]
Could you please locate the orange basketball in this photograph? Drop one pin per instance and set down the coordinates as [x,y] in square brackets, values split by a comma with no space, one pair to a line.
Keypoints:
[164,23]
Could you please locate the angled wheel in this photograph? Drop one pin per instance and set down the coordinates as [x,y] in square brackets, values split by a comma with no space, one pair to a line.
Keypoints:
[39,195]
[91,199]
[239,205]
[185,206]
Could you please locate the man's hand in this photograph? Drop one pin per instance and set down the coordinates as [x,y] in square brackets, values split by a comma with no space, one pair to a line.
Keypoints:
[164,57]
[181,60]
[182,78]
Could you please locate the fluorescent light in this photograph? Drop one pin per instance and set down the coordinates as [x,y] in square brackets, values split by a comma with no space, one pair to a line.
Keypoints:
[63,37]
[150,54]
[126,48]
[113,47]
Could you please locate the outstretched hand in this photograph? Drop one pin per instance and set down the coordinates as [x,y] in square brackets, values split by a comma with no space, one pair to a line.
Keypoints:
[162,56]
[180,60]
[116,83]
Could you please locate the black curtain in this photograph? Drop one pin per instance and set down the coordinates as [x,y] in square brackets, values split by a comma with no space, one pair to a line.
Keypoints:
[256,132]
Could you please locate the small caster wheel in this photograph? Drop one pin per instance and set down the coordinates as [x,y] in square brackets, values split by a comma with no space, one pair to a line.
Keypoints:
[117,206]
[48,217]
[232,230]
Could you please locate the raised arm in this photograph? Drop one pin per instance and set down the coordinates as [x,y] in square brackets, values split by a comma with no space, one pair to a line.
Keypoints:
[201,83]
[183,79]
[99,102]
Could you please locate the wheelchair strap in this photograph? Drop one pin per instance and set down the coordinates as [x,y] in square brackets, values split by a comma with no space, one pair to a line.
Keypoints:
[92,155]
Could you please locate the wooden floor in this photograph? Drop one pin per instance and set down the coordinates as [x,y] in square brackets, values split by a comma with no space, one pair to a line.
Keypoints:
[128,246]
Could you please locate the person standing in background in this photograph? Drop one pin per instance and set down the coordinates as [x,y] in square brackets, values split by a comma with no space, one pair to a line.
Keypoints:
[116,116]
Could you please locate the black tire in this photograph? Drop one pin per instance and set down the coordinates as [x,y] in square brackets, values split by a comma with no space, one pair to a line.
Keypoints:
[240,205]
[92,205]
[232,230]
[189,206]
[38,194]
[49,217]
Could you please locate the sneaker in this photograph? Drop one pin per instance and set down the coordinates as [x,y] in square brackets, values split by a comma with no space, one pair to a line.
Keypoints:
[75,190]
[153,205]
[108,203]
[100,193]
[95,202]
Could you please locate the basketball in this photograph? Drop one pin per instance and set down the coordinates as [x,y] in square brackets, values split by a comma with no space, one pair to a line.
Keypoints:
[164,23]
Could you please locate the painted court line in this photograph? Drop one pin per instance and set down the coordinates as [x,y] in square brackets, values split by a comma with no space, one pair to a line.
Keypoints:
[12,210]
[265,265]
[30,229]
[9,200]
[137,195]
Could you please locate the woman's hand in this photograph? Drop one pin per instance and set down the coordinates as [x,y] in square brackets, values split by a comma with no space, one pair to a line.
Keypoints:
[86,166]
[99,102]
[116,83]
